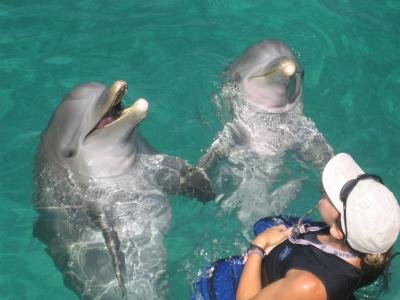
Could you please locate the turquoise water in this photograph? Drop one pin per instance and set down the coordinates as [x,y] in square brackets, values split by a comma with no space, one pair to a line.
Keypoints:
[172,53]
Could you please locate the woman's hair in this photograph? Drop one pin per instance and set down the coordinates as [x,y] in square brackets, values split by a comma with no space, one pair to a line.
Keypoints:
[375,261]
[369,262]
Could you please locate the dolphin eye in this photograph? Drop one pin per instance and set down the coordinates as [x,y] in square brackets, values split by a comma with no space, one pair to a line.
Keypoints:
[69,153]
[237,77]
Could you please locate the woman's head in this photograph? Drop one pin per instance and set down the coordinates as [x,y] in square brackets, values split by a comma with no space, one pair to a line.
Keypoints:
[369,212]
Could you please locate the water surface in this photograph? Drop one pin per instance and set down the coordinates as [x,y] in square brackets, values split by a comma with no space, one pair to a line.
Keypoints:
[172,53]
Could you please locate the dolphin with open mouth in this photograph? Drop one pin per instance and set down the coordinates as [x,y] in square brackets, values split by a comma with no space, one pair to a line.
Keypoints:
[261,107]
[101,194]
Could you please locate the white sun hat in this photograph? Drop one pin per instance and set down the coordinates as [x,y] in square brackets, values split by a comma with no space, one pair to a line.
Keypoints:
[372,211]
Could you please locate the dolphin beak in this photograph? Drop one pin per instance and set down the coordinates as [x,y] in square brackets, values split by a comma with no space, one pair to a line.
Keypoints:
[117,92]
[113,114]
[137,112]
[285,68]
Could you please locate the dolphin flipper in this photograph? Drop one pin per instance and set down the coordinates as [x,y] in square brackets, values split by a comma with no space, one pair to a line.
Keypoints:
[113,244]
[233,134]
[177,176]
[195,183]
[316,150]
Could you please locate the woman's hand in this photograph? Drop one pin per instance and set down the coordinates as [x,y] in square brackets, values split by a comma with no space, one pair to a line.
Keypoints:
[272,236]
[250,283]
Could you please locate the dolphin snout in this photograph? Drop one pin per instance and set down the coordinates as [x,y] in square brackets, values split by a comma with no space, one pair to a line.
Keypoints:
[287,67]
[141,105]
[284,68]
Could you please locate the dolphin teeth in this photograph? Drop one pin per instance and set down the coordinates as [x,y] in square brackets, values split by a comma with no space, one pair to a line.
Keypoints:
[116,113]
[139,107]
[115,110]
[119,95]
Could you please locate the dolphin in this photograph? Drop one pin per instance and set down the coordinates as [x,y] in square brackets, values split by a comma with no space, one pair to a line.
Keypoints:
[261,107]
[101,193]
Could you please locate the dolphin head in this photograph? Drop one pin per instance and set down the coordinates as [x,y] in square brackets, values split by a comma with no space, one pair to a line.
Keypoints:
[269,76]
[90,133]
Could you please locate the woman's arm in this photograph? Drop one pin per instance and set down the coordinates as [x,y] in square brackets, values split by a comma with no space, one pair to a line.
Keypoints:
[296,285]
[250,281]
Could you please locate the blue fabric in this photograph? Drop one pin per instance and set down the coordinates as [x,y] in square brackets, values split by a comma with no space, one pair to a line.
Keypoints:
[219,281]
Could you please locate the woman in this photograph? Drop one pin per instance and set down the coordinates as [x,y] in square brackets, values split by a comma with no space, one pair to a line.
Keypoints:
[363,219]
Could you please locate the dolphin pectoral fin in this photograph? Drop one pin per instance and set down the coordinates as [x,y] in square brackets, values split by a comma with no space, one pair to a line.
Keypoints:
[208,159]
[231,135]
[195,183]
[113,244]
[118,259]
[316,150]
[176,176]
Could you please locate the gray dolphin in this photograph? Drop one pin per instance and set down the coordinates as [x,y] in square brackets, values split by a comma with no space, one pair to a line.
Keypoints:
[269,76]
[261,107]
[101,194]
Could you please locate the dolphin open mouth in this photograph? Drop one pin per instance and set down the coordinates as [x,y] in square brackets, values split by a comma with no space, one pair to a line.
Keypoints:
[115,111]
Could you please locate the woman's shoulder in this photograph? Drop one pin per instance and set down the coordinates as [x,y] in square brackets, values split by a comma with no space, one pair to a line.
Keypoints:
[306,283]
[296,285]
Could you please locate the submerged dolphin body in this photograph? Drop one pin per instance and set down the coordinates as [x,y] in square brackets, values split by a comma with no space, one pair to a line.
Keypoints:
[260,105]
[101,196]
